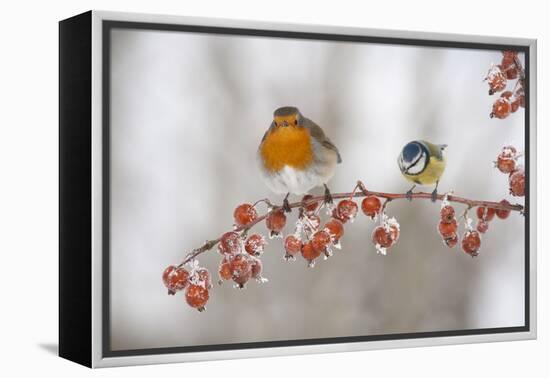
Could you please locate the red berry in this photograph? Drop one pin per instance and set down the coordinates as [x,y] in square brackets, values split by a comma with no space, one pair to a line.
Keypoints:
[506,94]
[501,108]
[311,207]
[293,245]
[346,210]
[382,237]
[255,244]
[522,101]
[512,73]
[276,221]
[244,214]
[197,296]
[175,279]
[485,213]
[508,58]
[503,214]
[471,243]
[309,253]
[225,271]
[482,226]
[320,241]
[451,241]
[371,206]
[517,182]
[335,229]
[256,268]
[447,214]
[515,105]
[447,229]
[505,165]
[241,269]
[204,276]
[230,243]
[496,80]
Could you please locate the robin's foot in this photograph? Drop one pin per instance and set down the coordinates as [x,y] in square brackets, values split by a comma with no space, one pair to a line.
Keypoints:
[328,196]
[286,204]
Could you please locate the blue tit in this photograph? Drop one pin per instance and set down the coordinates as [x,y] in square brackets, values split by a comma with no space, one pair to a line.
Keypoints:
[422,163]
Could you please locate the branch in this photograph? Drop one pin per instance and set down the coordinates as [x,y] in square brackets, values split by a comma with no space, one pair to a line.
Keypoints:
[208,245]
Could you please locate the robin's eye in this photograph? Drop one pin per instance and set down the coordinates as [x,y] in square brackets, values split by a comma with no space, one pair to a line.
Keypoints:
[295,121]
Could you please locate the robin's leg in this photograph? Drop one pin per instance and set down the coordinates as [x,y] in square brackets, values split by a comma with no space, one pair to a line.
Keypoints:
[409,193]
[328,196]
[286,205]
[434,193]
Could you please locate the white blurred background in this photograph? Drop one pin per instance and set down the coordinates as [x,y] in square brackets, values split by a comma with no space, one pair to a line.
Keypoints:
[188,112]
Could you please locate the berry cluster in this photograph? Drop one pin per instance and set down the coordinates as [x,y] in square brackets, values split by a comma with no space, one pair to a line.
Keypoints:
[312,239]
[507,163]
[196,282]
[498,76]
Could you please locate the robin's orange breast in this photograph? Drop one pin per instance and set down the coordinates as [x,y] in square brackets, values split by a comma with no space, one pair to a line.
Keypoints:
[287,146]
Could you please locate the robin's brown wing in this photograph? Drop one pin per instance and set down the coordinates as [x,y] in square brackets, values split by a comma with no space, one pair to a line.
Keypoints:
[317,132]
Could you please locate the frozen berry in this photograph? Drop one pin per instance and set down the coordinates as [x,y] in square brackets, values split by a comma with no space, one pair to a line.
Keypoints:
[276,221]
[241,269]
[508,59]
[256,268]
[382,237]
[512,73]
[255,245]
[293,245]
[517,182]
[371,206]
[175,278]
[471,243]
[501,108]
[506,94]
[244,215]
[505,165]
[204,276]
[310,207]
[335,229]
[224,271]
[515,104]
[451,241]
[447,214]
[394,232]
[346,210]
[503,214]
[320,241]
[230,243]
[482,226]
[485,213]
[447,229]
[197,296]
[496,80]
[309,253]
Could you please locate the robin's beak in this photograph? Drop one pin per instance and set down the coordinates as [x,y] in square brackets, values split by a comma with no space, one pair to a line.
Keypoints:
[285,123]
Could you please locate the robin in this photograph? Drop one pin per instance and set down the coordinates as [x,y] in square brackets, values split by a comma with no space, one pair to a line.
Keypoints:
[422,163]
[295,155]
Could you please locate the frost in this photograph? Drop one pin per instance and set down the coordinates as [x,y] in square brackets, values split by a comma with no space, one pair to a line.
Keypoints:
[380,250]
[288,257]
[329,208]
[337,245]
[261,280]
[275,235]
[311,264]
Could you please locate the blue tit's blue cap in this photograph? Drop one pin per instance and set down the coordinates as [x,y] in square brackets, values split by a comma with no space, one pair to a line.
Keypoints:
[411,151]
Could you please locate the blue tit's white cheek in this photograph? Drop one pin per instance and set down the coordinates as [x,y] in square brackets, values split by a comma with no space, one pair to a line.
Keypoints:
[419,166]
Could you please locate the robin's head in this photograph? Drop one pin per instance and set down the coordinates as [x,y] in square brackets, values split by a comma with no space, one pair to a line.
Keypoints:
[287,116]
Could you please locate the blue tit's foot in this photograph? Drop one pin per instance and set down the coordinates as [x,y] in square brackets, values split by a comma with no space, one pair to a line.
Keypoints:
[434,195]
[409,194]
[328,196]
[286,204]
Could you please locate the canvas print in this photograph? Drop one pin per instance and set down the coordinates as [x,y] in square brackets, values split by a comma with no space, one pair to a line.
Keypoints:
[268,189]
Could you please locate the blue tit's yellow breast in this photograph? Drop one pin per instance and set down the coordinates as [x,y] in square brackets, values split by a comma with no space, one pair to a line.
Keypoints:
[431,174]
[287,146]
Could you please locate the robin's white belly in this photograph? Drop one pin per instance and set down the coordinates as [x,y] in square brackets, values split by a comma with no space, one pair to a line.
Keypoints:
[296,181]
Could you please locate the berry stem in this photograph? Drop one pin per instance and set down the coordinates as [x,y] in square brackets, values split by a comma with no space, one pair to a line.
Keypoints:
[209,244]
